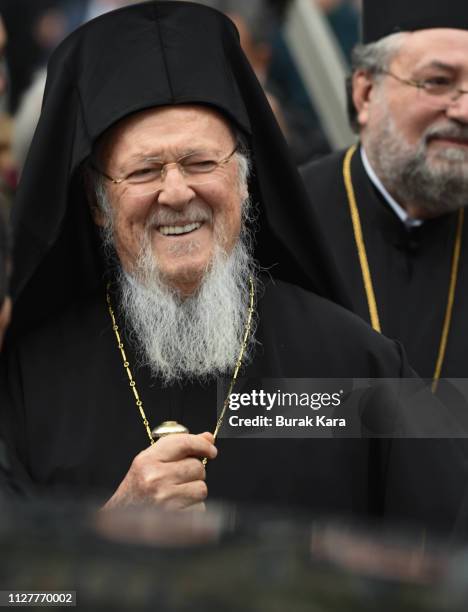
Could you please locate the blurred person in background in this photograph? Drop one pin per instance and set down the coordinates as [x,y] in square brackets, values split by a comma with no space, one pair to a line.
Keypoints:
[78,12]
[259,27]
[393,208]
[306,136]
[13,481]
[256,23]
[5,266]
[58,21]
[26,118]
[34,29]
[8,166]
[3,66]
[343,16]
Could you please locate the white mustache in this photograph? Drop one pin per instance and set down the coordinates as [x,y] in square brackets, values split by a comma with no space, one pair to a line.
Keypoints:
[193,213]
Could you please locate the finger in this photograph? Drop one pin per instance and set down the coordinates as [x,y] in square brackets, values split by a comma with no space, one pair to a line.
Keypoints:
[188,470]
[208,436]
[185,495]
[181,446]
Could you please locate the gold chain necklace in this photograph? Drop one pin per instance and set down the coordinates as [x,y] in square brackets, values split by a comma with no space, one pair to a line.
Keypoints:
[366,274]
[132,383]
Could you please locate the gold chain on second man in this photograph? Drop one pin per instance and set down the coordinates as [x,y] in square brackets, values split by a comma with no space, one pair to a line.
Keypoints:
[367,277]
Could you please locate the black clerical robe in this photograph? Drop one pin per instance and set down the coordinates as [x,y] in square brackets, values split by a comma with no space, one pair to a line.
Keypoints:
[410,268]
[77,428]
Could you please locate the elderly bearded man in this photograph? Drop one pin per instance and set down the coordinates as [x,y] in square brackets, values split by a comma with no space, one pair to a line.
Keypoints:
[156,106]
[393,209]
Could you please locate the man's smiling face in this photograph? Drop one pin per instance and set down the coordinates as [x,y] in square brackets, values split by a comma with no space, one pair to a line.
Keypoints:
[186,212]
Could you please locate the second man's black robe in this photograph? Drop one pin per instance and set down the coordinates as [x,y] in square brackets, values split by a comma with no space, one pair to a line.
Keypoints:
[410,268]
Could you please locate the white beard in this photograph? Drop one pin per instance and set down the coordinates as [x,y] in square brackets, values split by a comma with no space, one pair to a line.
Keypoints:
[196,337]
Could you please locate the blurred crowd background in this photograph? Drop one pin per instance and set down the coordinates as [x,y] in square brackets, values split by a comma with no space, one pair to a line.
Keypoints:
[31,29]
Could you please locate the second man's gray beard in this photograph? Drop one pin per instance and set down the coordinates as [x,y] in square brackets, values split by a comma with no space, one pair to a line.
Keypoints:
[198,337]
[406,173]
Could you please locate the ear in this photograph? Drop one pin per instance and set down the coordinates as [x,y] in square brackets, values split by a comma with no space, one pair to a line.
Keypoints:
[89,188]
[363,85]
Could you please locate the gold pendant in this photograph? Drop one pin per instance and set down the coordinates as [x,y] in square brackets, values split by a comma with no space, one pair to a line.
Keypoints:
[167,429]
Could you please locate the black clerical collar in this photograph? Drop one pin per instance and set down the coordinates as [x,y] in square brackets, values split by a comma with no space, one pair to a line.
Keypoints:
[408,222]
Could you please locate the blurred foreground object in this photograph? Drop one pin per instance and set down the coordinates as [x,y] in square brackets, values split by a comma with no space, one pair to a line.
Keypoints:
[230,559]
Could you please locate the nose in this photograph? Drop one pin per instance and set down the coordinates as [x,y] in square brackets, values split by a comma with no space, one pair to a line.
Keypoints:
[458,109]
[174,191]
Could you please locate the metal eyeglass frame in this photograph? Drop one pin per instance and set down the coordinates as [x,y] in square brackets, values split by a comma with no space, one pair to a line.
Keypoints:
[182,170]
[421,86]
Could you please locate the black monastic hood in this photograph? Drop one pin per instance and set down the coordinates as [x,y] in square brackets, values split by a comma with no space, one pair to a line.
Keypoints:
[141,56]
[383,17]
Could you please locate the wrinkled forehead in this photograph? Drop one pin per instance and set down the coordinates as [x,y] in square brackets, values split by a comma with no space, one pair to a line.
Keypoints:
[432,47]
[173,129]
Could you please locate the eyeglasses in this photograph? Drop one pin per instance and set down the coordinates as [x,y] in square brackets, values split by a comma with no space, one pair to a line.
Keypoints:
[440,91]
[148,176]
